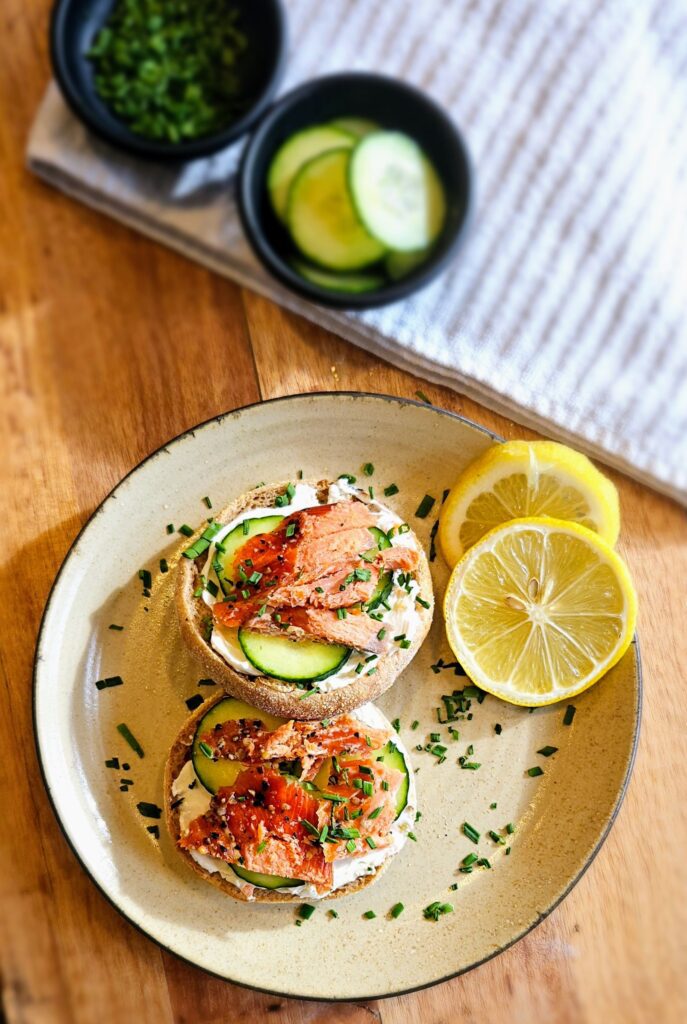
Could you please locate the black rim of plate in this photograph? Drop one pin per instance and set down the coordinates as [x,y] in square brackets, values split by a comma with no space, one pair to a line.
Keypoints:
[541,915]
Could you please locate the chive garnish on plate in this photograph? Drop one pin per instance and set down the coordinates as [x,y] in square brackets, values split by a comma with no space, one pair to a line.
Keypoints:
[471,833]
[149,810]
[534,772]
[547,751]
[369,915]
[194,702]
[368,469]
[186,530]
[104,684]
[425,507]
[306,912]
[397,910]
[390,490]
[124,731]
[423,397]
[115,627]
[569,714]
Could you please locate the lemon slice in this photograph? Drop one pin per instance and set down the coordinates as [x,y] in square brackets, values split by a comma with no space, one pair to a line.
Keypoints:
[538,610]
[526,478]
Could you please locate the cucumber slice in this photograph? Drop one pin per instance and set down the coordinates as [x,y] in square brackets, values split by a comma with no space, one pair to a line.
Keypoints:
[393,758]
[215,774]
[264,881]
[396,191]
[298,661]
[295,152]
[357,126]
[238,537]
[399,264]
[321,217]
[352,283]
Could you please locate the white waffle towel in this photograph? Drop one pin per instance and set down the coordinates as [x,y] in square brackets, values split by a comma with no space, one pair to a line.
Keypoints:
[567,308]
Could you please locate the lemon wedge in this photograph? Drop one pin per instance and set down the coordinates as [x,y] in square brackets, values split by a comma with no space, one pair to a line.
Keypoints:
[538,610]
[526,478]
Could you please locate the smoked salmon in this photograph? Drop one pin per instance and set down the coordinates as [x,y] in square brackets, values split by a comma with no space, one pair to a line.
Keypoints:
[274,823]
[296,579]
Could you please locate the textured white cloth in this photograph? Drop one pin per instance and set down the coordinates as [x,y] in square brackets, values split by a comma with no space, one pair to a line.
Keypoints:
[567,307]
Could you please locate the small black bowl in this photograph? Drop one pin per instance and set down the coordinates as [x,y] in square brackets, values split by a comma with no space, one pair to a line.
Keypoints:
[75,23]
[392,104]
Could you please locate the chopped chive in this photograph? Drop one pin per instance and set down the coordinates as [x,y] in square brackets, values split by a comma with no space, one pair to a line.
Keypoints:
[404,644]
[333,913]
[186,530]
[414,725]
[435,737]
[396,724]
[154,831]
[146,577]
[496,837]
[508,851]
[397,910]
[290,529]
[261,846]
[492,807]
[411,835]
[126,733]
[470,859]
[255,577]
[149,810]
[403,528]
[436,910]
[498,729]
[206,682]
[370,842]
[375,814]
[534,772]
[115,627]
[207,501]
[483,863]
[425,507]
[306,912]
[385,785]
[341,613]
[453,887]
[310,828]
[170,527]
[369,915]
[368,469]
[350,845]
[163,565]
[371,491]
[510,828]
[112,763]
[290,491]
[471,833]
[391,489]
[368,788]
[194,702]
[421,600]
[569,714]
[206,750]
[103,684]
[547,751]
[309,693]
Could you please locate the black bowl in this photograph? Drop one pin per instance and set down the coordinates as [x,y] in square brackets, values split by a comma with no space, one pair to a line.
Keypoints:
[392,104]
[73,27]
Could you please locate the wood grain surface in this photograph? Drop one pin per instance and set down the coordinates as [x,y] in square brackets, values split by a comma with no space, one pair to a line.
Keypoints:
[109,345]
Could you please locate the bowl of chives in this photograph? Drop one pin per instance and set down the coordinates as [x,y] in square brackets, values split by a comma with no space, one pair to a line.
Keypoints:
[164,84]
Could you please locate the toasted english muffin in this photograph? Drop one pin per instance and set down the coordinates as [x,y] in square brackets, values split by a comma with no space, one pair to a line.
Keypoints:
[281,696]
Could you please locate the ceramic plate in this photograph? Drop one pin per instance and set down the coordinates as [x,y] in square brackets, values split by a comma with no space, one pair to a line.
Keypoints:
[561,817]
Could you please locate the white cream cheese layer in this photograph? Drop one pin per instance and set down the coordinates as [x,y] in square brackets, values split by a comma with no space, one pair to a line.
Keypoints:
[402,616]
[345,869]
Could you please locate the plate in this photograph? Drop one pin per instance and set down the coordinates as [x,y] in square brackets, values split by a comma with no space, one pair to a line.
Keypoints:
[561,817]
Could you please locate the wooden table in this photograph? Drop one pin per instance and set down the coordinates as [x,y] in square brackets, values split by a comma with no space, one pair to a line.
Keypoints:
[109,345]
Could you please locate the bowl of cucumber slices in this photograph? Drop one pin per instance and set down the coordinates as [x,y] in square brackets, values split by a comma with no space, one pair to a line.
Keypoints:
[355,190]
